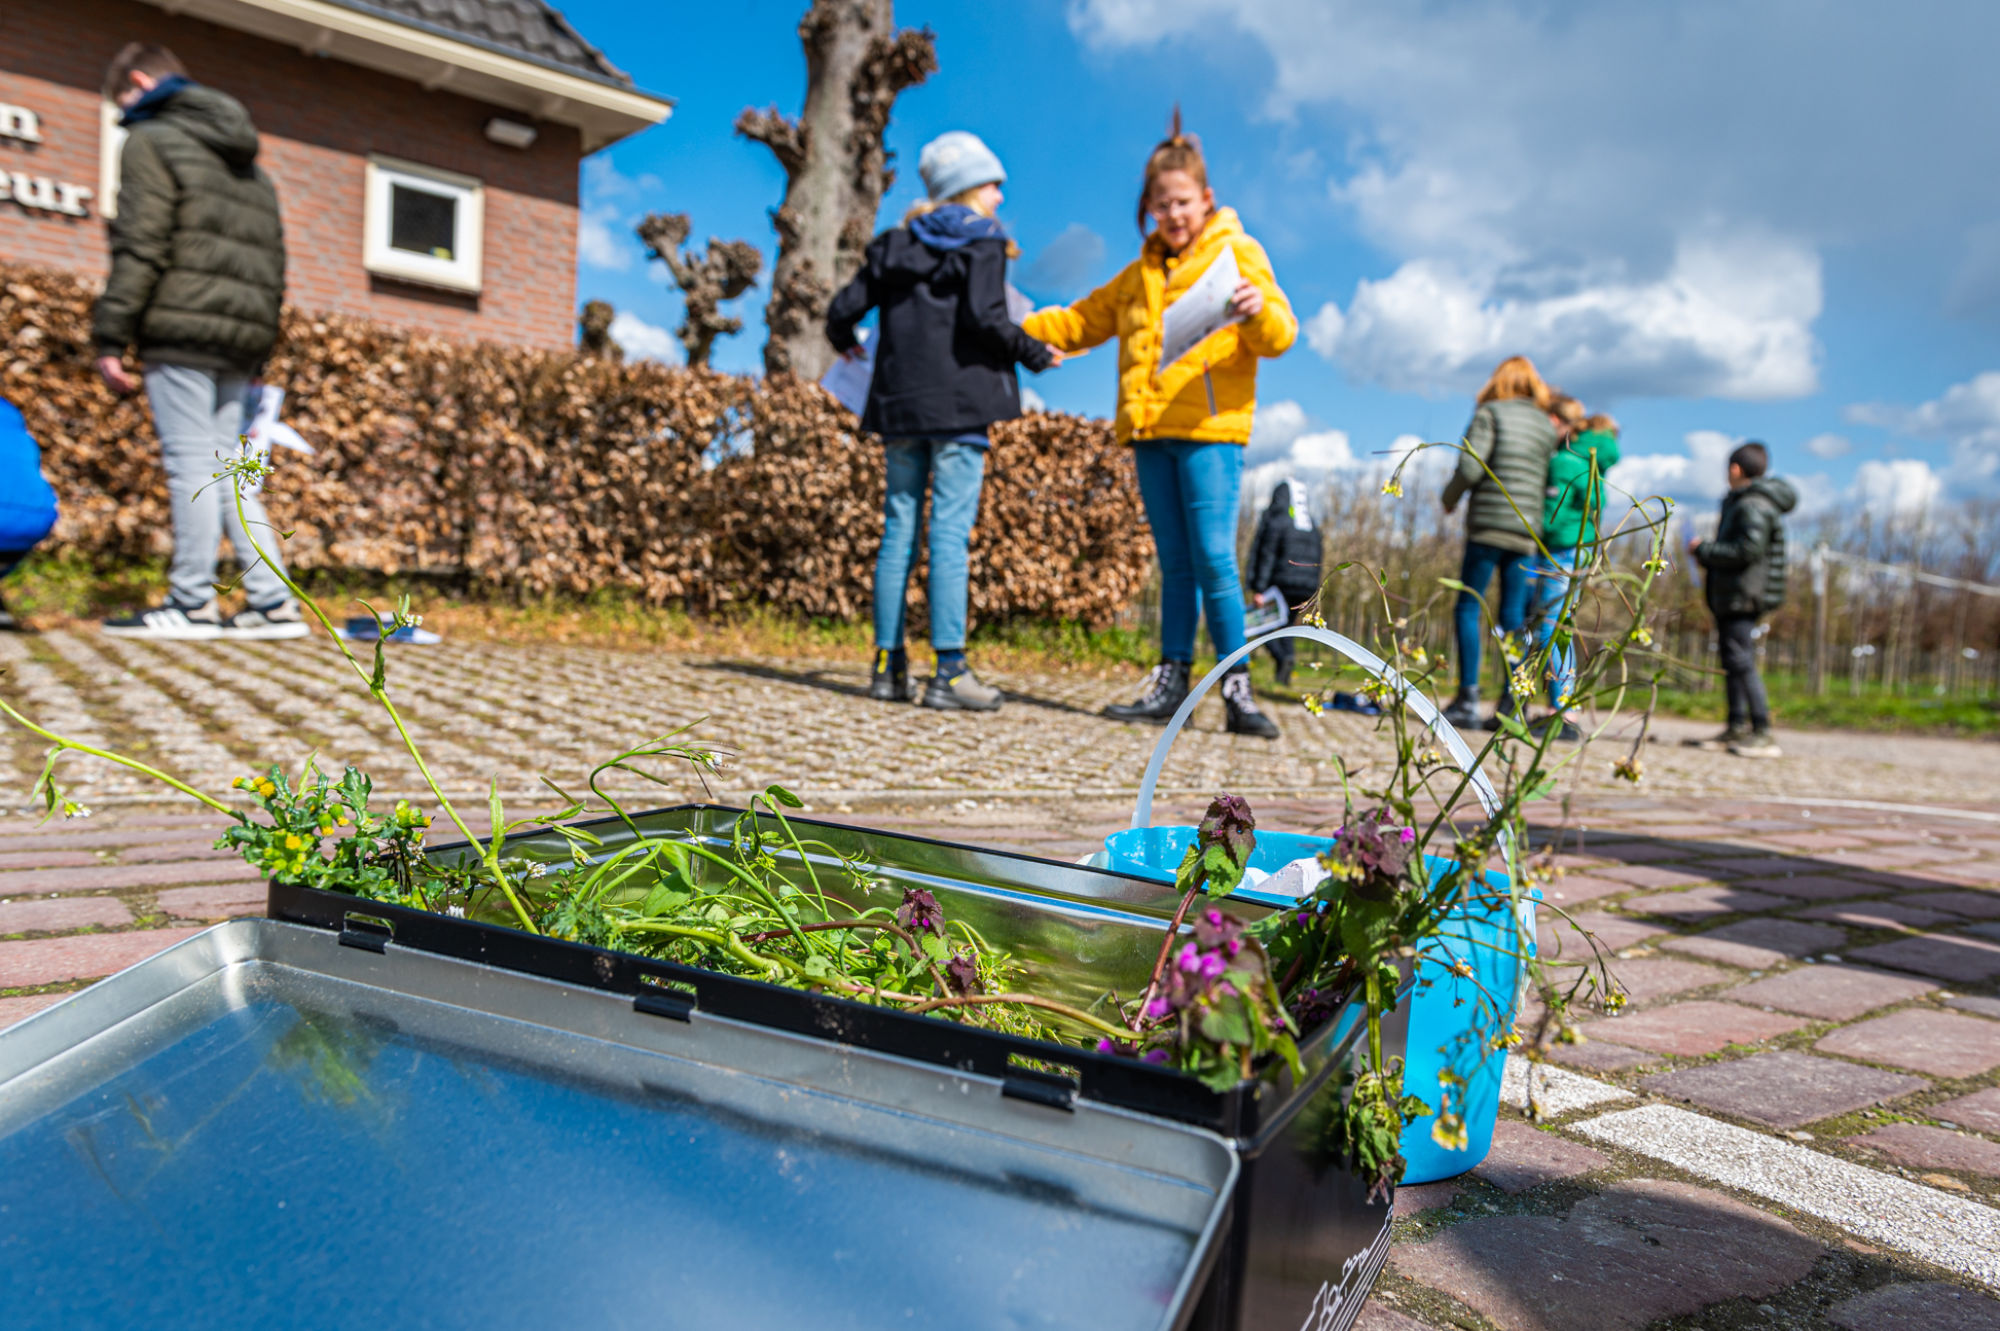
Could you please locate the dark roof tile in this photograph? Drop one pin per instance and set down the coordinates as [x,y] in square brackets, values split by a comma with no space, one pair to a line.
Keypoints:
[524,27]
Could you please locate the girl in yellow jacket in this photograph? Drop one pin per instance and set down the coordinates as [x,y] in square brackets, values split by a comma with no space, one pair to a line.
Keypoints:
[1187,422]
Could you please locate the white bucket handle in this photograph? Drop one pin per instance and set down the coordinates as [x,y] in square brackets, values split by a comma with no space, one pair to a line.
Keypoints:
[1427,712]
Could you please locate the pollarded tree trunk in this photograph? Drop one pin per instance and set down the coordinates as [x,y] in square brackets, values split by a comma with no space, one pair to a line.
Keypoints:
[728,270]
[836,167]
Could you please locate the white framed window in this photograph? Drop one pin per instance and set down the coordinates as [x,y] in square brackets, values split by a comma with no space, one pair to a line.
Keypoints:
[423,225]
[110,148]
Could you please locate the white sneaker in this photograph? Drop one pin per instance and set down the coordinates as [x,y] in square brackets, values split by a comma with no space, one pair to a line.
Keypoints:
[169,623]
[283,620]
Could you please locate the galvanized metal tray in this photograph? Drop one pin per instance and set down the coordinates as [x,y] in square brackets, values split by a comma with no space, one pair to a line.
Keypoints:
[272,1124]
[1305,1242]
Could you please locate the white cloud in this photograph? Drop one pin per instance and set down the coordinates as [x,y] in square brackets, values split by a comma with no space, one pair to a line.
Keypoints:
[1030,399]
[1286,442]
[1895,489]
[644,341]
[611,206]
[1699,472]
[597,240]
[1829,446]
[1727,320]
[1967,416]
[1548,177]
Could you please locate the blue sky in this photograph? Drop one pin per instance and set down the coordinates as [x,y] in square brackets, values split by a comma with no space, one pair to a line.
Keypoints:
[1713,220]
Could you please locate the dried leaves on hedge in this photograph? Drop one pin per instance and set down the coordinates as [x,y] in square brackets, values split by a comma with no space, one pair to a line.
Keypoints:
[538,472]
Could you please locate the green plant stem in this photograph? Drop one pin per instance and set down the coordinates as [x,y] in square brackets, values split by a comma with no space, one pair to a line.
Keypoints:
[132,764]
[489,854]
[1034,1001]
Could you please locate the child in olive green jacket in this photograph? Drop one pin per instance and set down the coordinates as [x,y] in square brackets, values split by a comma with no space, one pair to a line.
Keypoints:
[1569,531]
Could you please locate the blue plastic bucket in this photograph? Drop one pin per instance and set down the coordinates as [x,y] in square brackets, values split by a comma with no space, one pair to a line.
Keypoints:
[1445,1033]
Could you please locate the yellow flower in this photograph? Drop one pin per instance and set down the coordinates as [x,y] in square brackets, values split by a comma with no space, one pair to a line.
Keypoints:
[293,841]
[267,788]
[1628,769]
[1393,488]
[1449,1132]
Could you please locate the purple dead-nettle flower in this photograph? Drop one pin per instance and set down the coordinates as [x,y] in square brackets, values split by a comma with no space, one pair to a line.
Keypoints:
[1231,825]
[919,912]
[1370,854]
[961,972]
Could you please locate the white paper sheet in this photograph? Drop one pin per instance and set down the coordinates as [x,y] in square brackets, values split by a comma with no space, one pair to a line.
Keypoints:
[1200,310]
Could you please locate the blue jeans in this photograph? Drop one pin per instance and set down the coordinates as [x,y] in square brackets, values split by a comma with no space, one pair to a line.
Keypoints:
[1190,491]
[1552,578]
[955,472]
[1481,563]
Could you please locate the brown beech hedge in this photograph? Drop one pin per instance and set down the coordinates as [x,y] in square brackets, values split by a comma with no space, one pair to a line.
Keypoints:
[533,472]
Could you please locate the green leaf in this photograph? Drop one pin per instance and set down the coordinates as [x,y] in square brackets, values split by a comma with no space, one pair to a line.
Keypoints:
[817,966]
[936,948]
[1453,584]
[379,680]
[661,900]
[784,797]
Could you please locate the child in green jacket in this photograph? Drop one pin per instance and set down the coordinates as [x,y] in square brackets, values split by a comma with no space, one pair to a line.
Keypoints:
[1569,531]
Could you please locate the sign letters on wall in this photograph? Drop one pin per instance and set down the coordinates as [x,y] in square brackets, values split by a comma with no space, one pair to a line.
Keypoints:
[39,193]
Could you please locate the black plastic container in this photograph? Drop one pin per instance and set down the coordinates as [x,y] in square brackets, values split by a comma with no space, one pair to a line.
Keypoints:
[1303,1244]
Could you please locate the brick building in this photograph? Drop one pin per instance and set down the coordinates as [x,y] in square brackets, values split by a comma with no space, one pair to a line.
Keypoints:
[426,152]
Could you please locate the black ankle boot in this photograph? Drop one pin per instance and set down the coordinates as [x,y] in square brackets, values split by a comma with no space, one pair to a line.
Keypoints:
[1245,717]
[890,681]
[1464,709]
[1166,689]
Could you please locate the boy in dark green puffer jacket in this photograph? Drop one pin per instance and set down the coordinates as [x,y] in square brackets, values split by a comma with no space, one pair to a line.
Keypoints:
[197,280]
[1745,560]
[1569,531]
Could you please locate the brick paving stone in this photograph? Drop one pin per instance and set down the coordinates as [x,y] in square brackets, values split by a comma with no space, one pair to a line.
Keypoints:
[1421,1197]
[24,1006]
[1979,1110]
[1600,1056]
[220,902]
[1557,937]
[46,859]
[1690,1029]
[1984,930]
[1700,903]
[1378,1316]
[178,850]
[1641,1250]
[1876,915]
[1760,944]
[1782,1089]
[49,915]
[1985,1007]
[1815,841]
[1525,1157]
[1808,886]
[1930,1306]
[1640,852]
[38,961]
[1831,993]
[1573,889]
[119,876]
[1944,1044]
[1647,978]
[1947,956]
[1652,876]
[1923,1147]
[1972,905]
[1778,865]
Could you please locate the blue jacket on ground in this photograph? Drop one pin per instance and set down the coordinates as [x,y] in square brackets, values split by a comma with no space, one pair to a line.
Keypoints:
[27,503]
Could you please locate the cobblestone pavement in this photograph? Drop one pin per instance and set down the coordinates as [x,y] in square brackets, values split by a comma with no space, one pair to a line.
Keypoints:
[1795,1123]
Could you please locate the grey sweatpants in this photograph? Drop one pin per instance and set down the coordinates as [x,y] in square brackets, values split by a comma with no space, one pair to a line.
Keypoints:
[199,417]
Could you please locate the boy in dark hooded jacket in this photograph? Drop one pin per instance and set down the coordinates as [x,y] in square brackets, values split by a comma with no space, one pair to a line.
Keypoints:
[1285,553]
[1745,560]
[944,372]
[197,280]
